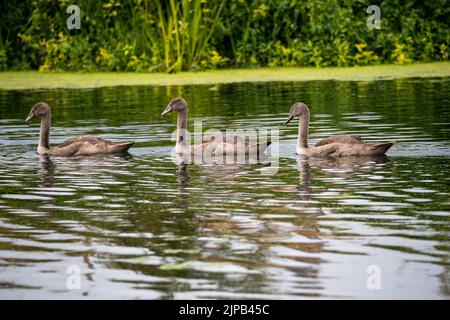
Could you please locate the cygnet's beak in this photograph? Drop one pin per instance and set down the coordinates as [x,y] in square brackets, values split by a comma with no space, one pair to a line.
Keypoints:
[30,116]
[166,110]
[289,119]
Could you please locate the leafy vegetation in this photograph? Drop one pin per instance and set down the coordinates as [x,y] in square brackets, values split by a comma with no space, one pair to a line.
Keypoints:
[171,35]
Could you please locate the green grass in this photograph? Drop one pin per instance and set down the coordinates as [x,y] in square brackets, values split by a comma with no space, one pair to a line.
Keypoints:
[36,80]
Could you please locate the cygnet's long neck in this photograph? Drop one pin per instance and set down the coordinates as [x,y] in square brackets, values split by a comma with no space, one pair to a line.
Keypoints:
[303,127]
[182,127]
[44,134]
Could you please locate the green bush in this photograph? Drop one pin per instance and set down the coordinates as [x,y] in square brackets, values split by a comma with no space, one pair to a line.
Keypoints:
[171,35]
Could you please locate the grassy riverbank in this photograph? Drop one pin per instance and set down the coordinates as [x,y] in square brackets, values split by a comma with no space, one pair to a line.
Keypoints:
[37,80]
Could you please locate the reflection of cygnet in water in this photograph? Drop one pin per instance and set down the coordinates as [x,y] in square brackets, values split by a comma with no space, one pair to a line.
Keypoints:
[183,179]
[226,171]
[305,176]
[78,170]
[304,187]
[330,165]
[183,176]
[209,156]
[96,162]
[46,170]
[345,162]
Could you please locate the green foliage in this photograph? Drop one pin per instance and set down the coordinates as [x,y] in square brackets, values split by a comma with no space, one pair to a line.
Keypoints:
[185,30]
[171,35]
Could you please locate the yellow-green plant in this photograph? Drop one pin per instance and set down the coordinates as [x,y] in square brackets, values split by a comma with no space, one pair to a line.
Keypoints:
[364,56]
[400,55]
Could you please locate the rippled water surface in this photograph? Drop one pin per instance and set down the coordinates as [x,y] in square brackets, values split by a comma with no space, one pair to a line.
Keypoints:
[141,226]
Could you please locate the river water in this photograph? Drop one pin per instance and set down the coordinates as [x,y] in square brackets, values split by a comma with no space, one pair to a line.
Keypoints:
[140,226]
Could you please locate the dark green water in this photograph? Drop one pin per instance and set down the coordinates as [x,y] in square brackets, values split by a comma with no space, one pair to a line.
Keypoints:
[141,226]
